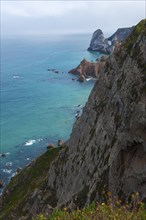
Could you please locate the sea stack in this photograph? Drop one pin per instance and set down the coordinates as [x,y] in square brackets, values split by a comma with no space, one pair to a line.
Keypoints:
[98,42]
[106,45]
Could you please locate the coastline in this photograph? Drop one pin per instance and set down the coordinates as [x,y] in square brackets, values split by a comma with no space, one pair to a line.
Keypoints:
[30,112]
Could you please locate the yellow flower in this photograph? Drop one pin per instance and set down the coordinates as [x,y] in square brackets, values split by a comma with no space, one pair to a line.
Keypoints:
[103,203]
[109,193]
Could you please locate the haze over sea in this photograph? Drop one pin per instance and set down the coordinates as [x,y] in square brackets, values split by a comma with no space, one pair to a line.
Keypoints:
[39,106]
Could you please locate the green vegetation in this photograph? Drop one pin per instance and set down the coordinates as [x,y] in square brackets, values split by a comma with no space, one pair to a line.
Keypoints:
[139,29]
[112,210]
[132,46]
[26,182]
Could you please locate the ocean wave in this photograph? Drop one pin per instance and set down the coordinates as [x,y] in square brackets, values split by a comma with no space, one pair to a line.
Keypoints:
[13,174]
[30,142]
[9,164]
[7,171]
[7,153]
[40,139]
[16,77]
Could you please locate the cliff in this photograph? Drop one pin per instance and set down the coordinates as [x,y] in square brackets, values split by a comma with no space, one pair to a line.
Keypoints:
[121,34]
[106,149]
[106,45]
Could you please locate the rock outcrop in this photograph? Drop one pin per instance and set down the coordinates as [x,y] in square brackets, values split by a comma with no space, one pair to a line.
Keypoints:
[88,69]
[106,45]
[98,42]
[107,147]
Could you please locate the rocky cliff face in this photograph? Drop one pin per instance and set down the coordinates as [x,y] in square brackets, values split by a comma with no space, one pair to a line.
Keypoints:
[121,34]
[101,44]
[107,147]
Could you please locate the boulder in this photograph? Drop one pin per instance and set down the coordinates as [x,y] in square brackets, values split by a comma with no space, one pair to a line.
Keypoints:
[81,78]
[60,142]
[50,146]
[2,155]
[18,169]
[1,183]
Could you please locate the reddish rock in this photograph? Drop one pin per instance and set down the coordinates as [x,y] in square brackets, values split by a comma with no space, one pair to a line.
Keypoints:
[86,69]
[50,146]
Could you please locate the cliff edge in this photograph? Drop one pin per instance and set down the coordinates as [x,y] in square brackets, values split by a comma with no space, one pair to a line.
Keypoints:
[107,147]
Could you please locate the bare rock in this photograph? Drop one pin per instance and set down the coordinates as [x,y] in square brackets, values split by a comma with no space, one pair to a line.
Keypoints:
[1,183]
[50,146]
[60,142]
[87,69]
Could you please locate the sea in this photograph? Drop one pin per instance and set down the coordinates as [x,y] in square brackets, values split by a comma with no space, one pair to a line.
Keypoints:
[39,98]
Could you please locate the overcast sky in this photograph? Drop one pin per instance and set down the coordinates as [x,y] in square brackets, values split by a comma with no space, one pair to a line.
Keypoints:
[57,17]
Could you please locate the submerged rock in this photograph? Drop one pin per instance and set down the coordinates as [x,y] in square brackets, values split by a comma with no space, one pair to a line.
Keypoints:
[3,155]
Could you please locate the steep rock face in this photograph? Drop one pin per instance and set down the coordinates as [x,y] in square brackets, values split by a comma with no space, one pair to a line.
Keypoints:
[100,44]
[107,147]
[121,34]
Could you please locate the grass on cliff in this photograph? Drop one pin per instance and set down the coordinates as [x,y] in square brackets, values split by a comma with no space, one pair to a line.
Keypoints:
[112,210]
[140,28]
[26,181]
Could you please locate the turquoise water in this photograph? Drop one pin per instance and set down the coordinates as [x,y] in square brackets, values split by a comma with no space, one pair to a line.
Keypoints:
[39,106]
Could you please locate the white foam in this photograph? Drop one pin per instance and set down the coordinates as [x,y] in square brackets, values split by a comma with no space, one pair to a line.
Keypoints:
[88,79]
[7,153]
[16,77]
[40,139]
[9,164]
[30,142]
[7,171]
[13,174]
[28,158]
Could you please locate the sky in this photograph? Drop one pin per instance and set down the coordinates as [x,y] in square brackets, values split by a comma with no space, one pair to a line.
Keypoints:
[60,17]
